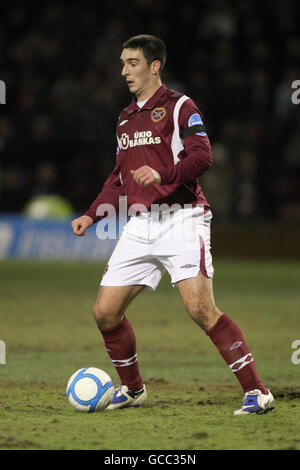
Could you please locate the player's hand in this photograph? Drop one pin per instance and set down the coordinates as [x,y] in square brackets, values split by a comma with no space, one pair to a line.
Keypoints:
[146,175]
[81,224]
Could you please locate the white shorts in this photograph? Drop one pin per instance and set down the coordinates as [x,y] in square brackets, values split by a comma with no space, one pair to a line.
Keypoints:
[153,243]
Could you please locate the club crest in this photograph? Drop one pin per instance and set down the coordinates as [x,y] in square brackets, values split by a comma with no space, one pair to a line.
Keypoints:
[158,114]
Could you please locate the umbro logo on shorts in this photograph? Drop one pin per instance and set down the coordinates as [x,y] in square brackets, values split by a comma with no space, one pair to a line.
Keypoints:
[188,266]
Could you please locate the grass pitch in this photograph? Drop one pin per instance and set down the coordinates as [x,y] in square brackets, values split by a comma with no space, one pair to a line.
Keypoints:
[49,332]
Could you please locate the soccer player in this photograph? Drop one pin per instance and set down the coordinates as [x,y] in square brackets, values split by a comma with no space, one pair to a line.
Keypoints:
[163,148]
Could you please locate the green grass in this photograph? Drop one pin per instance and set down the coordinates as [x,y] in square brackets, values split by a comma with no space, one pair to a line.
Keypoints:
[47,325]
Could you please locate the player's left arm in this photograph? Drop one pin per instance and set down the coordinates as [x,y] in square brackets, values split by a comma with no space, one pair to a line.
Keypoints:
[195,158]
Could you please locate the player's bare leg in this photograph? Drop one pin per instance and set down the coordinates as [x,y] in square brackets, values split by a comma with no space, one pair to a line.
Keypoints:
[120,342]
[198,299]
[111,303]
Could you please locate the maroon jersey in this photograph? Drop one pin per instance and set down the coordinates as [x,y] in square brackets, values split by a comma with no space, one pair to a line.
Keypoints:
[167,134]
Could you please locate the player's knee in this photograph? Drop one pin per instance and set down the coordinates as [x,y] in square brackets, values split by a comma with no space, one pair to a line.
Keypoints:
[104,317]
[100,315]
[204,314]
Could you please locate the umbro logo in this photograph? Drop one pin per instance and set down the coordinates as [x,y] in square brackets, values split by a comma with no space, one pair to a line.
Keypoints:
[123,122]
[235,345]
[188,266]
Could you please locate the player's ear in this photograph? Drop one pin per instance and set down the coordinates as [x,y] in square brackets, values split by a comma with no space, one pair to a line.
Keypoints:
[155,66]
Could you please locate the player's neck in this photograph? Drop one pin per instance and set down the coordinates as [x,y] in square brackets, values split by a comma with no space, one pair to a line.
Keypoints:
[144,95]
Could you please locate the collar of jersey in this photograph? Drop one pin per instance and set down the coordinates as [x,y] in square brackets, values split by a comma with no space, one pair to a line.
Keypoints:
[150,103]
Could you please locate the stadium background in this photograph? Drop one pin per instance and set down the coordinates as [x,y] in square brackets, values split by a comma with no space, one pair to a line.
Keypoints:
[60,63]
[237,60]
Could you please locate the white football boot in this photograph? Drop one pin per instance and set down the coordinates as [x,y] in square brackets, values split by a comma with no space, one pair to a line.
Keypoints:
[124,398]
[256,403]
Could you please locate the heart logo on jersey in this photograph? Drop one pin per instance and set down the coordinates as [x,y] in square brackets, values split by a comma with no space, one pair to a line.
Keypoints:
[158,114]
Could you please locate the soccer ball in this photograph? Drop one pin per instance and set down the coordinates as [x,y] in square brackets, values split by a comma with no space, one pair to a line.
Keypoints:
[90,389]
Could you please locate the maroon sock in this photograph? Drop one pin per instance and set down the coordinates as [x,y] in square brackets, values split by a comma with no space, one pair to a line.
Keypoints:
[229,340]
[120,344]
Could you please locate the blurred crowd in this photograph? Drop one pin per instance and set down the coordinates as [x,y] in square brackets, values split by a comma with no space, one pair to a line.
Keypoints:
[237,60]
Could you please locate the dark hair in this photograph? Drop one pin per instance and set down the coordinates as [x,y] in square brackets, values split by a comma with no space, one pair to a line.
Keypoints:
[152,47]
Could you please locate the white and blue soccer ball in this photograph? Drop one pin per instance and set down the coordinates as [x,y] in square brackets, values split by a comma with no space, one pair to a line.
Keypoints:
[90,389]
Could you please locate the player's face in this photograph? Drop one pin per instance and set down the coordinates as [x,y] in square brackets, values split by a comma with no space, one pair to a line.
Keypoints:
[137,73]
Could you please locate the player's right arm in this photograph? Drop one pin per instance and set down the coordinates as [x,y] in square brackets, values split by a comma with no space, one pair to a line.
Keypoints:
[81,224]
